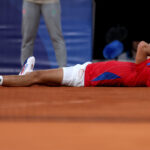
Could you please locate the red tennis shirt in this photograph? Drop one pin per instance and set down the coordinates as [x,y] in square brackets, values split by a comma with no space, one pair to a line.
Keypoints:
[116,73]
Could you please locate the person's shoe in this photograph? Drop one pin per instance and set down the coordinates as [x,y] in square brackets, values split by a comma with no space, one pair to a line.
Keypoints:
[28,66]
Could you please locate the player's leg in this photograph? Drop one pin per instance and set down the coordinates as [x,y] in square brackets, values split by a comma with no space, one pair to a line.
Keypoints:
[27,77]
[52,16]
[30,22]
[51,77]
[143,51]
[67,76]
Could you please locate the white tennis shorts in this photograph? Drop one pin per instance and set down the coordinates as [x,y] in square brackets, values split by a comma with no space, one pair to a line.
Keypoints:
[74,76]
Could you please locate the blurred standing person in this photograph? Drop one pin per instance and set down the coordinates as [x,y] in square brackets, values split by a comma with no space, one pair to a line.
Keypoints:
[51,11]
[116,41]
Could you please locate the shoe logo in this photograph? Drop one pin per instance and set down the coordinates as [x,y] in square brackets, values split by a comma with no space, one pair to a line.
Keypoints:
[32,66]
[24,68]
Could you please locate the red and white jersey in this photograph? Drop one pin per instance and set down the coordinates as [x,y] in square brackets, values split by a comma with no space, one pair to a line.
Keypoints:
[116,73]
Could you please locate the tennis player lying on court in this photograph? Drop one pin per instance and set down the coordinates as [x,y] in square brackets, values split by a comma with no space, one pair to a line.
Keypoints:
[108,73]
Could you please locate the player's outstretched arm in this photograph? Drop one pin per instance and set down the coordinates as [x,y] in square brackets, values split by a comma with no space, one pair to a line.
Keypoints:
[143,51]
[52,77]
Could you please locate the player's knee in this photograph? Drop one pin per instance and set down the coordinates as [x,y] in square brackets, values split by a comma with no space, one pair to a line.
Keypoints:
[38,77]
[34,77]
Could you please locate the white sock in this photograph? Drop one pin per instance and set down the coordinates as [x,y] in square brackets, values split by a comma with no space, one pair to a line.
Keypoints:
[1,80]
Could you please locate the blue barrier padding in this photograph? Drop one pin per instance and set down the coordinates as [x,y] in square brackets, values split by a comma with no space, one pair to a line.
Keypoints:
[76,27]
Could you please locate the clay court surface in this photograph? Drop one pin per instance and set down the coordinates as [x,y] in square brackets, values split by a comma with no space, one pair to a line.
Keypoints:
[69,118]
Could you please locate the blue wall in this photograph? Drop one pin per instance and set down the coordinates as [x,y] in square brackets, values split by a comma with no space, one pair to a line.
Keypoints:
[76,27]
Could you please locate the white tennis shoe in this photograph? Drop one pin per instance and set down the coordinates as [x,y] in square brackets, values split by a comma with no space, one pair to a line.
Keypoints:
[28,66]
